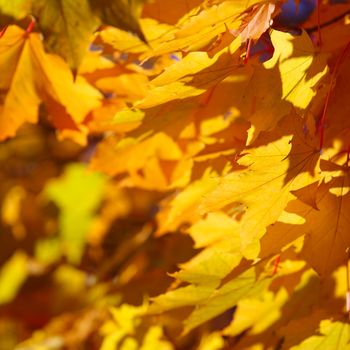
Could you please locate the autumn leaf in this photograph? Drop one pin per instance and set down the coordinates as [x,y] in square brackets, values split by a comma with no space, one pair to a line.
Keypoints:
[194,31]
[257,314]
[12,11]
[77,205]
[12,275]
[212,299]
[174,175]
[182,208]
[169,165]
[269,175]
[256,20]
[323,228]
[68,25]
[164,10]
[126,321]
[121,14]
[191,76]
[35,76]
[333,335]
[293,85]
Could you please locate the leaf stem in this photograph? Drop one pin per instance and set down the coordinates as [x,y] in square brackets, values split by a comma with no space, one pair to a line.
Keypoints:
[327,23]
[31,26]
[3,31]
[247,55]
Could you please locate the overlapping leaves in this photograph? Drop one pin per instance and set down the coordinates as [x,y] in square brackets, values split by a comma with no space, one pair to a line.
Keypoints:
[246,156]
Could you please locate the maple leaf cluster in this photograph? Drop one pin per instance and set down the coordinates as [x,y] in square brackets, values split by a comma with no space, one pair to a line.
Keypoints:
[175,175]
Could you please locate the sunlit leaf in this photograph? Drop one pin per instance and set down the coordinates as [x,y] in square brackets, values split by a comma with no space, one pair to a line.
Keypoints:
[31,76]
[333,335]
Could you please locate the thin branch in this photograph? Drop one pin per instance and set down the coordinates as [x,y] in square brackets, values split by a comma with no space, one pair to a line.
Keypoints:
[328,23]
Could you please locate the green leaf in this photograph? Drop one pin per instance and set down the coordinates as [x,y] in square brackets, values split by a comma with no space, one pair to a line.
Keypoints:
[122,14]
[77,194]
[67,26]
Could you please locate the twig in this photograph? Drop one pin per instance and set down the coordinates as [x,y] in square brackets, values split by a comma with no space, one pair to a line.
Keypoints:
[328,23]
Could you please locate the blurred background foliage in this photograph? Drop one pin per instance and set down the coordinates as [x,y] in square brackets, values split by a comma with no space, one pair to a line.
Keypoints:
[72,245]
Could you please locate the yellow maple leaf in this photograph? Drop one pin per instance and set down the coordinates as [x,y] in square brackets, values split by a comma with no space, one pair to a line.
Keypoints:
[324,228]
[273,168]
[155,163]
[32,76]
